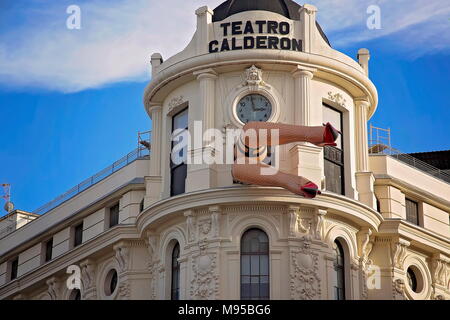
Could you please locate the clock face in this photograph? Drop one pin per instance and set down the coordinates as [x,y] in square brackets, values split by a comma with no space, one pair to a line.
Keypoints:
[254,107]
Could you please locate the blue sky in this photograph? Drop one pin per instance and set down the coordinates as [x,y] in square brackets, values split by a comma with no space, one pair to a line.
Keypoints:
[71,100]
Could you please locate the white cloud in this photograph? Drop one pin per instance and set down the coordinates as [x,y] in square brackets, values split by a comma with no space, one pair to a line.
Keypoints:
[411,23]
[118,37]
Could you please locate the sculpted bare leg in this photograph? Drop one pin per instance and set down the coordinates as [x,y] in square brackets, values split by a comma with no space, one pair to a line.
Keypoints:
[248,148]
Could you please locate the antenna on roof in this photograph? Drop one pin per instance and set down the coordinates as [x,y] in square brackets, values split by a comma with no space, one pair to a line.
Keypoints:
[9,206]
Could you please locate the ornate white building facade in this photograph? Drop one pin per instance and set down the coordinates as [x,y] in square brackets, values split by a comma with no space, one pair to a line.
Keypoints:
[156,230]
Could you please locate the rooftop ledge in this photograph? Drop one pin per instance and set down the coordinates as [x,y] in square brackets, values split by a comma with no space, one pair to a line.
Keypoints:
[412,177]
[137,154]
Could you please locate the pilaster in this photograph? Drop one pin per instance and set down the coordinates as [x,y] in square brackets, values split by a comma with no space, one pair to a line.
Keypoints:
[153,182]
[308,18]
[201,173]
[204,20]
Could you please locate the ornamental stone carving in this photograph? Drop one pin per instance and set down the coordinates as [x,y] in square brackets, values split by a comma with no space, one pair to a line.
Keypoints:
[205,281]
[204,227]
[253,79]
[190,225]
[53,289]
[305,281]
[398,253]
[293,220]
[175,102]
[88,279]
[153,263]
[215,220]
[122,255]
[398,289]
[438,270]
[124,291]
[338,98]
[319,224]
[365,245]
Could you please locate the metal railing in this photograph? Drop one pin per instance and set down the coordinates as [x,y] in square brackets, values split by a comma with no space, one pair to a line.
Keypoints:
[138,153]
[410,160]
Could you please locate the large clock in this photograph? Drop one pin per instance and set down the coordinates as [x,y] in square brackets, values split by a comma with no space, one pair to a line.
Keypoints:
[254,107]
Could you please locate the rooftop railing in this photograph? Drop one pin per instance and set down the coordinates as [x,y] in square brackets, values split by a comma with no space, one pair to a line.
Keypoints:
[410,160]
[139,153]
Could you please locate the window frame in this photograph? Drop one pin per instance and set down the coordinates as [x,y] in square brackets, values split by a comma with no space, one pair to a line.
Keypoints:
[75,243]
[14,268]
[340,270]
[417,215]
[46,250]
[175,269]
[173,167]
[341,150]
[259,275]
[110,220]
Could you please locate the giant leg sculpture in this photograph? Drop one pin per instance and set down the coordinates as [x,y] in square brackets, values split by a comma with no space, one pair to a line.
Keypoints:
[246,148]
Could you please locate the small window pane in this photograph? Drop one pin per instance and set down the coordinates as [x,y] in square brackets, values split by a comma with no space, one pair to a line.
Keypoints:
[339,267]
[78,239]
[178,180]
[48,250]
[14,268]
[114,215]
[254,265]
[334,177]
[245,265]
[180,121]
[412,211]
[335,118]
[175,286]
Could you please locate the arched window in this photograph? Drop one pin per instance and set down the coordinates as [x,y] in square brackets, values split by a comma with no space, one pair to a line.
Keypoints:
[255,265]
[339,268]
[175,285]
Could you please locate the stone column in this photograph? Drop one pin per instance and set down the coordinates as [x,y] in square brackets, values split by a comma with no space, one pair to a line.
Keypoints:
[201,175]
[308,18]
[207,80]
[204,19]
[305,157]
[302,112]
[362,148]
[154,181]
[155,159]
[364,179]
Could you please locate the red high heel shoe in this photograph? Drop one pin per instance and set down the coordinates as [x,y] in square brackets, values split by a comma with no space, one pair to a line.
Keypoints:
[310,190]
[330,135]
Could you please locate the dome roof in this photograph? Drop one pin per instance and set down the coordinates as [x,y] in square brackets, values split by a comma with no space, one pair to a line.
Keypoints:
[287,8]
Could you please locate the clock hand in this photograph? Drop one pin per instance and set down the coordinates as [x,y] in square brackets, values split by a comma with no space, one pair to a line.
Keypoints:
[253,103]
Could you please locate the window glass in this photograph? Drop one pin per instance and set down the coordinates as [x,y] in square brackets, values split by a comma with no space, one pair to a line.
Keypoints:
[78,235]
[14,268]
[335,118]
[412,211]
[48,250]
[339,268]
[114,215]
[178,166]
[334,156]
[255,265]
[175,286]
